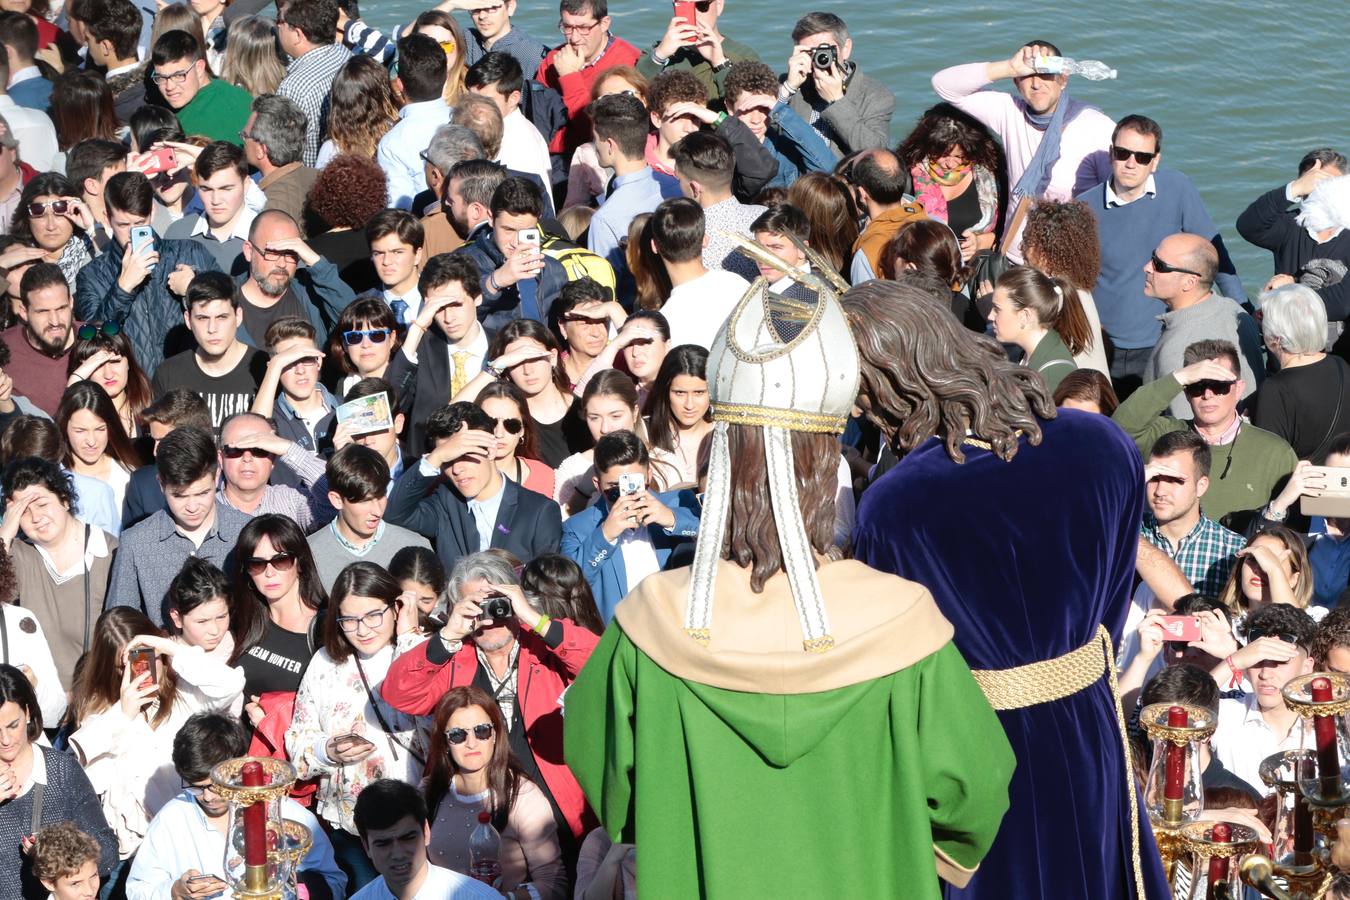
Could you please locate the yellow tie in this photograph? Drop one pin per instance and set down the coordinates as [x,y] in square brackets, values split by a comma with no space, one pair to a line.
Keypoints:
[460,376]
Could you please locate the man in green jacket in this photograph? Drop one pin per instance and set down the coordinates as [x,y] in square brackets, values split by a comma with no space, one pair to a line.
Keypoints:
[699,47]
[1250,465]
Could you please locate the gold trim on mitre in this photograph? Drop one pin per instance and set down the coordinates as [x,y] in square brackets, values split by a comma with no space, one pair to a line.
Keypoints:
[791,419]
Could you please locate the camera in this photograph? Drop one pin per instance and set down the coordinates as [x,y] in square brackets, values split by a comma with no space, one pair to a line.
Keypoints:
[496,607]
[824,56]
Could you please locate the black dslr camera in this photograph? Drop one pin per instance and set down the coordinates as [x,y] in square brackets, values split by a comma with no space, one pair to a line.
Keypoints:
[824,56]
[496,607]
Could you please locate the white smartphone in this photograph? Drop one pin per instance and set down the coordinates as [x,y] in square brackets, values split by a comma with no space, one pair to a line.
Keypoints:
[630,483]
[530,236]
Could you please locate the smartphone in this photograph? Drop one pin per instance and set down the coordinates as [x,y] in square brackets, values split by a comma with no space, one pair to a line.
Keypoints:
[161,160]
[1180,628]
[199,879]
[1334,502]
[684,9]
[141,236]
[351,739]
[142,662]
[631,483]
[530,236]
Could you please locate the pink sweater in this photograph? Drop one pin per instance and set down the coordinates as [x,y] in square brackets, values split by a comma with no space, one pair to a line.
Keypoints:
[1083,159]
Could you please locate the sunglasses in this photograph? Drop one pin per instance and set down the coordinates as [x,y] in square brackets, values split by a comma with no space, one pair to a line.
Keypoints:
[90,331]
[1143,157]
[37,210]
[238,452]
[1278,635]
[1217,388]
[512,426]
[448,47]
[1163,268]
[482,731]
[282,562]
[376,335]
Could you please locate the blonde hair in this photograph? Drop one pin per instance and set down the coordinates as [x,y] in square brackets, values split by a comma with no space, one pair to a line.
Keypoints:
[1232,597]
[252,58]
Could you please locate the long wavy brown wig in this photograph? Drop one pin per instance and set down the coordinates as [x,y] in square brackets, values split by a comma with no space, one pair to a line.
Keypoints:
[924,374]
[504,772]
[752,535]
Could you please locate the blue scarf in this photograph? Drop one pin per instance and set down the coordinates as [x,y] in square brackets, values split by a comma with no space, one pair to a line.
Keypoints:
[1036,178]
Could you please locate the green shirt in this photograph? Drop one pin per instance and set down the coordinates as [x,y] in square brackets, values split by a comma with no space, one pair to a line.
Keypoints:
[1244,474]
[219,111]
[1052,360]
[689,59]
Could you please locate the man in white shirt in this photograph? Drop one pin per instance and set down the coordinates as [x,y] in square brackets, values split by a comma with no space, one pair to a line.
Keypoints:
[421,77]
[1250,729]
[223,226]
[183,854]
[391,818]
[395,237]
[700,300]
[498,77]
[32,128]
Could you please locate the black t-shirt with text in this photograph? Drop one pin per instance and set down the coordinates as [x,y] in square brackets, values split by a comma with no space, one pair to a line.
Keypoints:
[275,663]
[227,394]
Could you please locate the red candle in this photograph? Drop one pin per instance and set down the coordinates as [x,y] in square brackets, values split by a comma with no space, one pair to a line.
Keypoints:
[1175,767]
[1324,728]
[1303,825]
[1218,865]
[255,817]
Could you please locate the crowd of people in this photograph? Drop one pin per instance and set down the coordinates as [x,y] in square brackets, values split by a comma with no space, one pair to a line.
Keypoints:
[358,378]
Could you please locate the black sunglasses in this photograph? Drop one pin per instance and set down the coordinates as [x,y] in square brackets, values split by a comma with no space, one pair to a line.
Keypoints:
[1285,636]
[89,331]
[482,731]
[1143,157]
[376,335]
[238,452]
[282,562]
[512,426]
[1217,388]
[1163,268]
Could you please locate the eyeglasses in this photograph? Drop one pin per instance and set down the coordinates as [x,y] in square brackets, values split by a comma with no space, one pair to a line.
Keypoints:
[512,426]
[487,10]
[175,77]
[37,210]
[1143,157]
[246,135]
[579,319]
[582,30]
[1163,268]
[289,256]
[482,731]
[376,335]
[91,330]
[371,620]
[282,562]
[238,453]
[199,790]
[1217,388]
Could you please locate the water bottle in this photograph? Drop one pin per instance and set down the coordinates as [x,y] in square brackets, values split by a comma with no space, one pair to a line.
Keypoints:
[485,851]
[1091,69]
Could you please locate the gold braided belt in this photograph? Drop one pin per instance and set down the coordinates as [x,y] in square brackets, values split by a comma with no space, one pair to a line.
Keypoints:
[1042,682]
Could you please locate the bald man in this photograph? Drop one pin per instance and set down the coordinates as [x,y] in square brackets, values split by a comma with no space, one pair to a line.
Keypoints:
[286,277]
[880,185]
[1181,274]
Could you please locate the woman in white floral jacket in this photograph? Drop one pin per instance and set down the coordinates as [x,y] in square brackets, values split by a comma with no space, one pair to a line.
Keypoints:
[342,729]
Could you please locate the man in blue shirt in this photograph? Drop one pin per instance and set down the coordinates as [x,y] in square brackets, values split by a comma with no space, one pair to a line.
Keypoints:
[1135,209]
[619,122]
[421,72]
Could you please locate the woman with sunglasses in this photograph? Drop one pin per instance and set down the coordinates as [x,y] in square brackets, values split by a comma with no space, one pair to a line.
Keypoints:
[365,337]
[276,617]
[679,416]
[343,732]
[127,707]
[94,441]
[102,354]
[470,769]
[52,218]
[442,27]
[1041,316]
[517,452]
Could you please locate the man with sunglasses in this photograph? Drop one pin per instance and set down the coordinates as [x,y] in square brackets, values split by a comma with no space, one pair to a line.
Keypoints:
[1136,208]
[183,854]
[250,451]
[207,106]
[1250,729]
[445,346]
[572,67]
[698,47]
[277,285]
[1181,272]
[1250,464]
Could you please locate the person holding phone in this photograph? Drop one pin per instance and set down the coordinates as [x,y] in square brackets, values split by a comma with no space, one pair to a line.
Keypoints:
[630,532]
[693,43]
[343,731]
[182,857]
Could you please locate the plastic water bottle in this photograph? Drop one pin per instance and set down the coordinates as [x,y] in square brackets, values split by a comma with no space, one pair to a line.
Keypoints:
[1091,69]
[485,851]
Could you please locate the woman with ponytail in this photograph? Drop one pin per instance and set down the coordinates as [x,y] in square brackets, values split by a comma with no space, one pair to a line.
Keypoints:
[1043,316]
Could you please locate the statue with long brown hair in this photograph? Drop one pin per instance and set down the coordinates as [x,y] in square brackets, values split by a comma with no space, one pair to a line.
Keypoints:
[1023,523]
[773,721]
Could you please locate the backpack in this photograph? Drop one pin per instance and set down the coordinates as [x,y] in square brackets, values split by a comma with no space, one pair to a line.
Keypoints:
[580,262]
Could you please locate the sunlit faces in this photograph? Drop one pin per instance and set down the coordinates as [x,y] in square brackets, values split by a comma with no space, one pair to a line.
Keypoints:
[644,357]
[112,376]
[586,328]
[190,505]
[51,231]
[87,436]
[251,471]
[1041,92]
[274,581]
[49,317]
[1253,581]
[502,409]
[474,753]
[395,261]
[607,413]
[1338,660]
[1009,322]
[496,635]
[457,317]
[535,374]
[398,852]
[1129,173]
[122,222]
[369,357]
[13,732]
[82,884]
[222,194]
[366,622]
[300,379]
[426,598]
[1211,408]
[214,324]
[492,21]
[273,275]
[45,518]
[754,110]
[205,625]
[688,399]
[362,517]
[669,129]
[584,32]
[1173,497]
[179,81]
[506,229]
[1269,677]
[779,245]
[474,475]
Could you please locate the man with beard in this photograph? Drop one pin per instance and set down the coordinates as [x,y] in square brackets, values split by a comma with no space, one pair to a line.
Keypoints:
[276,286]
[468,195]
[1036,581]
[40,342]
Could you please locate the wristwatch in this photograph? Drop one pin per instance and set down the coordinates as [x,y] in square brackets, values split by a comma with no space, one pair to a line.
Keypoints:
[725,64]
[452,647]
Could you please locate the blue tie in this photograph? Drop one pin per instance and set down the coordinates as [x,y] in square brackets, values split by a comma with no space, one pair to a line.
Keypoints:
[400,308]
[529,299]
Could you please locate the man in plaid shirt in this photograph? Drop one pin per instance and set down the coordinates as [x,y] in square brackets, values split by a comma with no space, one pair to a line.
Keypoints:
[1177,476]
[307,31]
